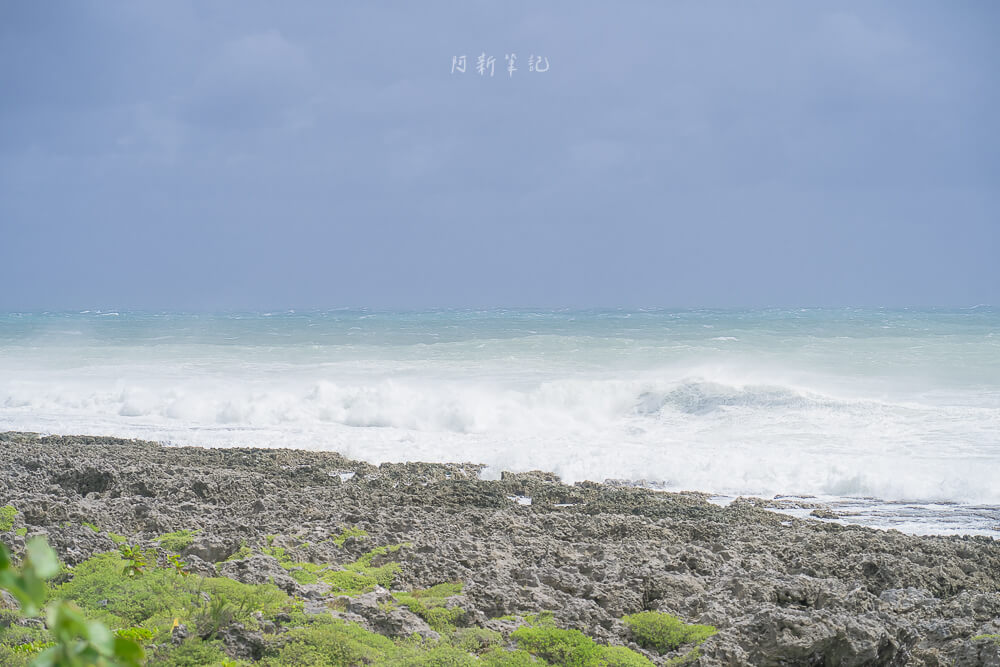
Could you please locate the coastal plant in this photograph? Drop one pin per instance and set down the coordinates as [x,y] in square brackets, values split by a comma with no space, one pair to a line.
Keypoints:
[349,532]
[79,641]
[19,644]
[363,575]
[689,658]
[242,553]
[476,640]
[572,648]
[327,641]
[177,541]
[137,634]
[189,653]
[421,653]
[499,657]
[134,559]
[177,564]
[159,596]
[431,603]
[544,619]
[992,638]
[354,578]
[75,640]
[215,615]
[92,526]
[662,632]
[7,515]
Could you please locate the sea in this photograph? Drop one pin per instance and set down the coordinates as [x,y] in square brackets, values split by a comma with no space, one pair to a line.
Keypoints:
[890,417]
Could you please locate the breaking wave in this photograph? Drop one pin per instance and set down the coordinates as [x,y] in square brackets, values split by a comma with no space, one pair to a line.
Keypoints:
[899,408]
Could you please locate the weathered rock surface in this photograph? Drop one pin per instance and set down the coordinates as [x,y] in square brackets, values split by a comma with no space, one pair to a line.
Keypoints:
[781,591]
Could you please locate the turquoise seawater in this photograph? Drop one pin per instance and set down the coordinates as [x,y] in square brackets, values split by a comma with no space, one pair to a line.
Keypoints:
[897,405]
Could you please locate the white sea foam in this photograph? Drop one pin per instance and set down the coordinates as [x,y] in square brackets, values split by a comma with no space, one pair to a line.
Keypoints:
[776,410]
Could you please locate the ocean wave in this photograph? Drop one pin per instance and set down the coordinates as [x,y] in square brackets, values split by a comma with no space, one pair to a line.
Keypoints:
[690,432]
[811,402]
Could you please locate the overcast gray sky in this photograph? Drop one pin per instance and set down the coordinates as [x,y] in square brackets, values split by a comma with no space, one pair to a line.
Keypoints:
[214,155]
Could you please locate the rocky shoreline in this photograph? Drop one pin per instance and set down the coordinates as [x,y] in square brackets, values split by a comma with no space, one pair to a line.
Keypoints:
[779,590]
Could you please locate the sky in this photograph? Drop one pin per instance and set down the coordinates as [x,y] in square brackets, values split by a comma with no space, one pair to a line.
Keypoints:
[255,155]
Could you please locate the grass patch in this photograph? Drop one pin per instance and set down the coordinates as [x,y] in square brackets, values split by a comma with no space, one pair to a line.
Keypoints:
[21,532]
[329,642]
[190,653]
[431,603]
[92,526]
[501,658]
[349,532]
[431,654]
[145,607]
[242,553]
[476,640]
[572,648]
[662,632]
[689,658]
[7,514]
[354,578]
[20,644]
[177,541]
[157,596]
[991,638]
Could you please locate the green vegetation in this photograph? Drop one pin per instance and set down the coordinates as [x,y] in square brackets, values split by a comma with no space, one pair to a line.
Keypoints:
[572,648]
[418,653]
[136,634]
[476,640]
[242,553]
[7,514]
[328,641]
[662,632]
[689,658]
[431,605]
[517,658]
[116,538]
[99,617]
[992,638]
[175,562]
[21,532]
[354,578]
[543,618]
[92,526]
[177,541]
[349,532]
[155,598]
[73,638]
[134,560]
[190,653]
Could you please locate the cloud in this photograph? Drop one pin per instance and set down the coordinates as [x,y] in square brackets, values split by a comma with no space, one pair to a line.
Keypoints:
[255,81]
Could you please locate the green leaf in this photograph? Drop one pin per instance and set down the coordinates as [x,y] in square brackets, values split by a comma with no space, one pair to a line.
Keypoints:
[128,651]
[5,560]
[33,586]
[100,638]
[43,558]
[46,658]
[66,622]
[14,585]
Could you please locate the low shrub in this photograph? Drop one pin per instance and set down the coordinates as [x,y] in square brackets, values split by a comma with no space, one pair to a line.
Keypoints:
[572,648]
[431,604]
[327,642]
[7,515]
[662,632]
[176,541]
